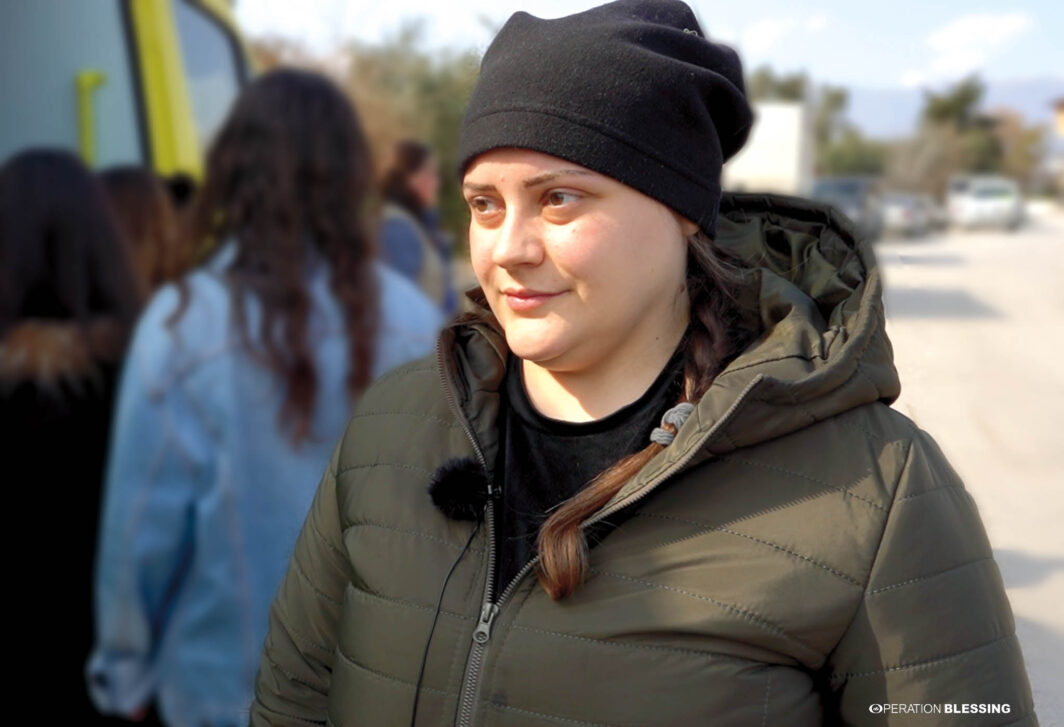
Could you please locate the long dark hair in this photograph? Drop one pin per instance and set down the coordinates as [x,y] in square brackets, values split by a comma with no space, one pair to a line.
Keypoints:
[717,332]
[408,156]
[142,206]
[61,255]
[287,178]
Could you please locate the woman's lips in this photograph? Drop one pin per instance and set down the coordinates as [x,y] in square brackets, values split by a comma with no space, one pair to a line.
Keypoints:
[523,300]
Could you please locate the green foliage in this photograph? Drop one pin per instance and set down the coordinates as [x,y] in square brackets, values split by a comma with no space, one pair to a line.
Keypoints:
[404,91]
[840,148]
[400,91]
[996,143]
[976,148]
[765,85]
[981,151]
[828,122]
[1022,148]
[956,106]
[851,153]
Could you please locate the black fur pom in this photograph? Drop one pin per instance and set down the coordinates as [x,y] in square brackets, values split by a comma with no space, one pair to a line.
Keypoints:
[460,489]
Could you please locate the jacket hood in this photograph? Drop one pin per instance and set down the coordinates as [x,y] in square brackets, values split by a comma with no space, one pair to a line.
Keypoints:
[52,354]
[823,349]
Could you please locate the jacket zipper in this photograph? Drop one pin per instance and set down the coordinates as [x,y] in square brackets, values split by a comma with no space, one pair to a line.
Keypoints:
[489,608]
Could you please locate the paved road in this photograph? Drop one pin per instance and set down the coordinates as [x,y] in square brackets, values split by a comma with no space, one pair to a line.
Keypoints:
[977,323]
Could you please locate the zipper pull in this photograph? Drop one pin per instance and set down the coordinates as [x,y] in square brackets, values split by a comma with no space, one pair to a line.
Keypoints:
[483,630]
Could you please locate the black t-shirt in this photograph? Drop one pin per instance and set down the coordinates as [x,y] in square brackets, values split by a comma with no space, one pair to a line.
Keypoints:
[545,461]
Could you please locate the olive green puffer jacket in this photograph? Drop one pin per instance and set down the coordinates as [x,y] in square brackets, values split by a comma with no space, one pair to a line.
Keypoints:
[801,554]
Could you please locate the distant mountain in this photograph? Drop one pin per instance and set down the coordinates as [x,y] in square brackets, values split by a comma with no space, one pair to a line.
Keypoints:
[889,113]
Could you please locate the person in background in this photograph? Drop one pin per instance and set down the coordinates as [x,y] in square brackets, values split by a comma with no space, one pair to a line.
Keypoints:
[68,301]
[145,213]
[411,240]
[239,378]
[655,478]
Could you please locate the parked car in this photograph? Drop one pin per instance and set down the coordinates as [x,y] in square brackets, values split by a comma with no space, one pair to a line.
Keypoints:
[905,214]
[937,216]
[856,197]
[986,201]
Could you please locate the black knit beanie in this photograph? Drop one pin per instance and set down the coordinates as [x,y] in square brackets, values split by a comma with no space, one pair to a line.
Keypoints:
[632,90]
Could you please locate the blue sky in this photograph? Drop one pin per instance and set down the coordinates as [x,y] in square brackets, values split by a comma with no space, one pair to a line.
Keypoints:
[882,44]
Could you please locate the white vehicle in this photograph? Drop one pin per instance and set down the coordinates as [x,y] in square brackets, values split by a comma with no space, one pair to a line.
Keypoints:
[905,214]
[985,201]
[937,216]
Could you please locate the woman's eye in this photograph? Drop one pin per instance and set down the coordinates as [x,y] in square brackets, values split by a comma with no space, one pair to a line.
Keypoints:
[482,205]
[558,199]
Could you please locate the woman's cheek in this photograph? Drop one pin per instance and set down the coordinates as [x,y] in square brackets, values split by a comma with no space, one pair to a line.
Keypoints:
[580,249]
[479,257]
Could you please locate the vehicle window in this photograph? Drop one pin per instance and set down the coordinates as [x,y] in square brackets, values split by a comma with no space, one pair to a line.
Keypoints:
[837,188]
[39,65]
[992,192]
[211,66]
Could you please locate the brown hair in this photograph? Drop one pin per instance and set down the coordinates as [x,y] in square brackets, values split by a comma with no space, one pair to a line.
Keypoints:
[61,255]
[287,181]
[716,334]
[142,207]
[408,156]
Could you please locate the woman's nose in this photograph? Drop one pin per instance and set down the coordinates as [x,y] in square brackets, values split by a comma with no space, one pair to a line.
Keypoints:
[518,242]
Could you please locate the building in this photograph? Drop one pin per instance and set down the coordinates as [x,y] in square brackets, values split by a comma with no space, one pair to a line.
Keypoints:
[778,156]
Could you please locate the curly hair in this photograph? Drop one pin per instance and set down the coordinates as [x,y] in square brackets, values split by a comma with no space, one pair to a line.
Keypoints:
[143,209]
[287,178]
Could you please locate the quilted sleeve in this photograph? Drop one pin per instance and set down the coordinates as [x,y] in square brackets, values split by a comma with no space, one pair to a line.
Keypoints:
[934,626]
[296,665]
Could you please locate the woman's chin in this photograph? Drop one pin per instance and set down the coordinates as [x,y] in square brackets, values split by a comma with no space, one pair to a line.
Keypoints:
[537,346]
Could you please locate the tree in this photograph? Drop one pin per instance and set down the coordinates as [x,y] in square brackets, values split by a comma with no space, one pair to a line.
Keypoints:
[853,154]
[828,119]
[765,85]
[841,149]
[956,106]
[924,162]
[400,91]
[976,147]
[1022,147]
[404,91]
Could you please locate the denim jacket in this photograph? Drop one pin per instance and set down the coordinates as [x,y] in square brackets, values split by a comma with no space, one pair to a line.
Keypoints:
[205,493]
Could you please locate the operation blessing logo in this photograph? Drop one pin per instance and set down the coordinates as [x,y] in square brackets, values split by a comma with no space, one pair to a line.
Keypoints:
[940,708]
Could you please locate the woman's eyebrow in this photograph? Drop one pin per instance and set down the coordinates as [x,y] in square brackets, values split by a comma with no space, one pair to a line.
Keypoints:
[550,176]
[531,181]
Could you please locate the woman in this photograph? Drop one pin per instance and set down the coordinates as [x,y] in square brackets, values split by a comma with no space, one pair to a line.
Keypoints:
[68,299]
[238,381]
[145,213]
[411,240]
[644,487]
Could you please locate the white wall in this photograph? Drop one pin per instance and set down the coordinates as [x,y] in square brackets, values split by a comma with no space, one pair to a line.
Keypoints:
[778,156]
